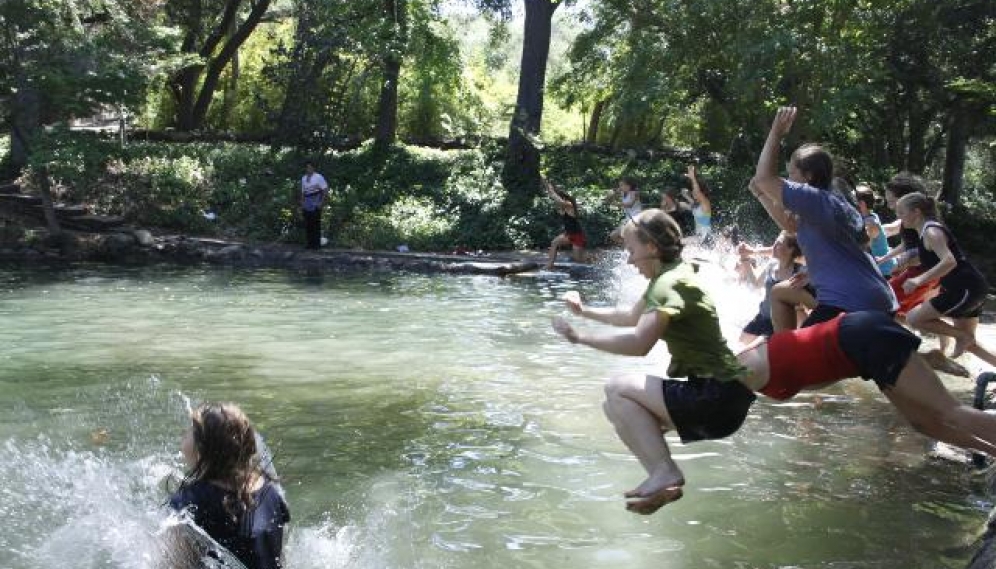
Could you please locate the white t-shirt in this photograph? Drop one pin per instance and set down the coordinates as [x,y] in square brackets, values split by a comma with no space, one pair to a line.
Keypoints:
[312,188]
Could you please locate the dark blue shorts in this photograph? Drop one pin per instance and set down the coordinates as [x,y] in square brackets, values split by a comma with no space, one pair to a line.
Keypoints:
[877,345]
[706,408]
[761,325]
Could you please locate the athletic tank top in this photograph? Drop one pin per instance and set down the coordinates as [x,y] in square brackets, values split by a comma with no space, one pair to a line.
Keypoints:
[703,220]
[929,259]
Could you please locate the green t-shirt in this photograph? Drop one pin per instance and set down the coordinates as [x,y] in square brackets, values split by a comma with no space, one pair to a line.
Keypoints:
[692,334]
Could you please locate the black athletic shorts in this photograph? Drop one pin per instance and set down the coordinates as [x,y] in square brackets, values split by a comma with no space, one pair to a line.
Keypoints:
[877,345]
[761,325]
[962,295]
[822,313]
[706,408]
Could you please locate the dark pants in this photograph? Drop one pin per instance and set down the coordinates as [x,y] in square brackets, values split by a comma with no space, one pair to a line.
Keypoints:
[312,228]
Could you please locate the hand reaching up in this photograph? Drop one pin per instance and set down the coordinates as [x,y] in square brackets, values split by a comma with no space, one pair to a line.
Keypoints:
[783,121]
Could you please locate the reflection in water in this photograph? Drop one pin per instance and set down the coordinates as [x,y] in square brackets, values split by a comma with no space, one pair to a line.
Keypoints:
[428,422]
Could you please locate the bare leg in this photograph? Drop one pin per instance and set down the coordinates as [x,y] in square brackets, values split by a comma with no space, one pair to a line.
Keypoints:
[558,241]
[746,338]
[968,326]
[926,317]
[579,255]
[635,405]
[784,299]
[921,397]
[943,342]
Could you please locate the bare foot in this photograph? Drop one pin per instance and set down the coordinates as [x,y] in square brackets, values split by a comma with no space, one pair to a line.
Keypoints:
[660,488]
[649,504]
[937,360]
[962,344]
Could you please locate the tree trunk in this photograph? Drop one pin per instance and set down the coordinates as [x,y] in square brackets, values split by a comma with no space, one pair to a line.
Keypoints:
[916,148]
[386,131]
[231,87]
[591,137]
[25,122]
[521,172]
[217,65]
[954,159]
[192,103]
[48,206]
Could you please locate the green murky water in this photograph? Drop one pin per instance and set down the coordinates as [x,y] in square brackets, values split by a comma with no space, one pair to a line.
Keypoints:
[423,421]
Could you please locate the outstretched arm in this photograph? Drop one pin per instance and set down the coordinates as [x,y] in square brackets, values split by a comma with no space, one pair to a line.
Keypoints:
[697,192]
[892,228]
[782,217]
[613,316]
[636,341]
[554,195]
[766,180]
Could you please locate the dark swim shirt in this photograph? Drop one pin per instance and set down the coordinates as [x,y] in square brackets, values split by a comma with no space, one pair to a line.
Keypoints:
[256,539]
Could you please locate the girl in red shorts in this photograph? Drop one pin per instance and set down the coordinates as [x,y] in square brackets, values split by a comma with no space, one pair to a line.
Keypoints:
[963,288]
[873,346]
[573,235]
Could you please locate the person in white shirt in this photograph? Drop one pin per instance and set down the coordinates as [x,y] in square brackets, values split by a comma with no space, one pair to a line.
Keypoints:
[628,194]
[313,190]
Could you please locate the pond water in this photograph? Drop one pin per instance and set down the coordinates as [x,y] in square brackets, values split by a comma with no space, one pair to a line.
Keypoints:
[426,422]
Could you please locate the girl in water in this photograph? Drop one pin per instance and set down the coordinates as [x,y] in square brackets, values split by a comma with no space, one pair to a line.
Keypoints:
[226,490]
[701,205]
[573,235]
[784,264]
[709,404]
[629,196]
[963,288]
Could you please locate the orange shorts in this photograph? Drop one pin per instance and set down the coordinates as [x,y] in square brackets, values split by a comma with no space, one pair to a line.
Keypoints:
[919,295]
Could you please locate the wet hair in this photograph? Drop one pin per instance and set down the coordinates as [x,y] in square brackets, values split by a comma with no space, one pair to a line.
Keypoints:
[905,183]
[225,442]
[631,182]
[815,163]
[926,204]
[654,226]
[866,195]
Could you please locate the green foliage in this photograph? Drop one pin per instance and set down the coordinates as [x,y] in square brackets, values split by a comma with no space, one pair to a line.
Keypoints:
[76,54]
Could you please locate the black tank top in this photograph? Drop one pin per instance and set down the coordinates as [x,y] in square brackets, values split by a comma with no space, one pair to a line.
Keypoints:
[929,259]
[571,224]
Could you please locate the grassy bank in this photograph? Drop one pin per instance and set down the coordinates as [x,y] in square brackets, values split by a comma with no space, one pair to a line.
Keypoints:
[428,199]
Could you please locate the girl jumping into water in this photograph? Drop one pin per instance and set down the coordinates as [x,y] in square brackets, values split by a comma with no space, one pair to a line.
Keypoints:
[573,235]
[674,309]
[963,288]
[226,491]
